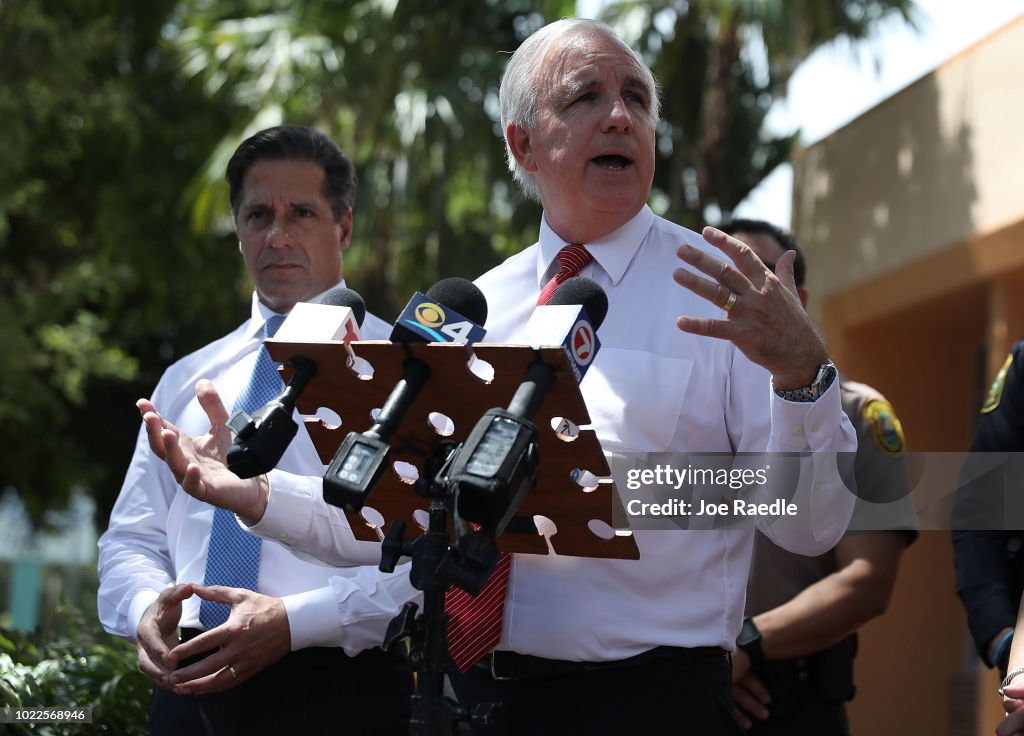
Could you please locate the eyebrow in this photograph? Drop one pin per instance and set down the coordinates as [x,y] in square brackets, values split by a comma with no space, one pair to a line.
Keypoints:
[640,84]
[632,82]
[572,89]
[259,203]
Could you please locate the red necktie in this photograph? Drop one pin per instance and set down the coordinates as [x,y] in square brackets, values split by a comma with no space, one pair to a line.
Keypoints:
[474,622]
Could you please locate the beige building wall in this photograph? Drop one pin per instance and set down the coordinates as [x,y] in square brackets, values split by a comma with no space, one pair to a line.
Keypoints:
[935,165]
[912,219]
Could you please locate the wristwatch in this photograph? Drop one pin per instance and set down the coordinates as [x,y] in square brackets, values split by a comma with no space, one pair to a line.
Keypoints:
[822,380]
[749,641]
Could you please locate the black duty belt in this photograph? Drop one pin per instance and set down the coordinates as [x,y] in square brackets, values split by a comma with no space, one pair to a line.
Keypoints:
[513,666]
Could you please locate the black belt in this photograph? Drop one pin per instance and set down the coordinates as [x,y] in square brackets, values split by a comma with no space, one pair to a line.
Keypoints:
[513,666]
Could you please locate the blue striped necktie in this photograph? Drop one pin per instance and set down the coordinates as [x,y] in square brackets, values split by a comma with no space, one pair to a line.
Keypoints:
[233,557]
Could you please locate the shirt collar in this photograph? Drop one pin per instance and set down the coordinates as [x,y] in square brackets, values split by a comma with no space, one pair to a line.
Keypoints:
[260,312]
[613,252]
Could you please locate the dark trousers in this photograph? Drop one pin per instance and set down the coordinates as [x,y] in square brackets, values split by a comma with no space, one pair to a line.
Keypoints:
[812,717]
[665,695]
[310,691]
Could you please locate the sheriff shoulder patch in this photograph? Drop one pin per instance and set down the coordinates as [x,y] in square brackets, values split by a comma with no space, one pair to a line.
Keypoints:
[995,391]
[885,424]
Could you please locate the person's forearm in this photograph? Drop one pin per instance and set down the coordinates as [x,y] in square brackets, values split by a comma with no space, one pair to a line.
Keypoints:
[837,605]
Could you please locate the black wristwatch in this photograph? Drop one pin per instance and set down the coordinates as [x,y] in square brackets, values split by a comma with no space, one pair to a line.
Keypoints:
[749,641]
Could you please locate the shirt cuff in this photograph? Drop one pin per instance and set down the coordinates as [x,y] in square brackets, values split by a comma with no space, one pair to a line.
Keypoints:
[142,600]
[811,425]
[313,619]
[297,516]
[812,477]
[290,508]
[354,612]
[367,601]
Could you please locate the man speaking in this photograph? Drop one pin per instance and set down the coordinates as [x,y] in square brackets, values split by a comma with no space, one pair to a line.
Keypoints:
[641,645]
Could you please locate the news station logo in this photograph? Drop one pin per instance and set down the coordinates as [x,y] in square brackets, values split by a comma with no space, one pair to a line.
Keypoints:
[583,342]
[427,319]
[351,329]
[429,315]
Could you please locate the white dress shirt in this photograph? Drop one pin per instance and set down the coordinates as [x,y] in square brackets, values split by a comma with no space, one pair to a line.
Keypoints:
[158,534]
[651,388]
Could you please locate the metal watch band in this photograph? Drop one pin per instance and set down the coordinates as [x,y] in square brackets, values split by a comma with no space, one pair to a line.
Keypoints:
[822,380]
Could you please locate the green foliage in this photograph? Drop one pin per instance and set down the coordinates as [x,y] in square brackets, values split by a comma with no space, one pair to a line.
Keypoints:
[101,281]
[85,668]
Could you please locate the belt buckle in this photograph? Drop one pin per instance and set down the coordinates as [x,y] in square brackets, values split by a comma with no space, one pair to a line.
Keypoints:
[494,672]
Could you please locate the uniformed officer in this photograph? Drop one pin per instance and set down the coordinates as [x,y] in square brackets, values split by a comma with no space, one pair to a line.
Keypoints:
[793,668]
[987,554]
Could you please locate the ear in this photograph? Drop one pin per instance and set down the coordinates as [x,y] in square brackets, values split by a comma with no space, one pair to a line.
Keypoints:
[518,137]
[345,230]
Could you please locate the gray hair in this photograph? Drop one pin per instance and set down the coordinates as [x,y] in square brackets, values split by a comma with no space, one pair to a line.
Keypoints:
[518,93]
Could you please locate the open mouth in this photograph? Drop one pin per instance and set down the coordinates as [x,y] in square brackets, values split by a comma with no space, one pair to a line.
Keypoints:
[612,162]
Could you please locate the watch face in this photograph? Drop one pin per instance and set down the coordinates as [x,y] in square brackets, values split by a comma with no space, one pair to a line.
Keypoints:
[748,634]
[822,381]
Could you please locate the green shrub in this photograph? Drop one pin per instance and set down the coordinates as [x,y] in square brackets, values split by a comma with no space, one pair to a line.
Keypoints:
[83,667]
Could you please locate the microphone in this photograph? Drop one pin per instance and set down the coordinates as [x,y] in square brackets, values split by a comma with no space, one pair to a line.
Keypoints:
[498,462]
[452,312]
[261,439]
[336,317]
[577,308]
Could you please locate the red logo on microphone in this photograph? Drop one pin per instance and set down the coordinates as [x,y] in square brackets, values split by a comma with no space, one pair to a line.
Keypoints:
[583,342]
[351,330]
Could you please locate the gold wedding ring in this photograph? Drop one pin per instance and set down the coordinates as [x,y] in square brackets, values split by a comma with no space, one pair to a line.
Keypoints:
[730,302]
[234,675]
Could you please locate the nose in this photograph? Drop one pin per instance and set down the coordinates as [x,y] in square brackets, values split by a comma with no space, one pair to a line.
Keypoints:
[618,117]
[277,235]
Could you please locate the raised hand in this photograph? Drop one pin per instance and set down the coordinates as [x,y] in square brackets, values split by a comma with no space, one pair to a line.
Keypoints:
[199,464]
[764,317]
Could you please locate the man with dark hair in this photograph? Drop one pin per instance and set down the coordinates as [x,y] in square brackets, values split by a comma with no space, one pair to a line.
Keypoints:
[793,667]
[271,643]
[295,143]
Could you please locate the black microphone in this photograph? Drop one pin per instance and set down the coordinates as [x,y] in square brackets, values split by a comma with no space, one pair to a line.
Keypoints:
[262,438]
[498,462]
[345,297]
[451,311]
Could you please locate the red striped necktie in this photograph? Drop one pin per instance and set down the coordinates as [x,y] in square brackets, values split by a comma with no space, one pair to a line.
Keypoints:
[474,622]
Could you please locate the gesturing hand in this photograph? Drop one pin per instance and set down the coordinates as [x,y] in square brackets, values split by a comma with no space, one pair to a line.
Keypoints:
[199,464]
[157,633]
[764,317]
[255,636]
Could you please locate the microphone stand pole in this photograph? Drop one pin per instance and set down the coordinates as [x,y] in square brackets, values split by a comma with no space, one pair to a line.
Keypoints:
[423,638]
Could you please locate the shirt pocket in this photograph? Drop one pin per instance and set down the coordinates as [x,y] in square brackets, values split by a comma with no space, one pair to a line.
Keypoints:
[635,398]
